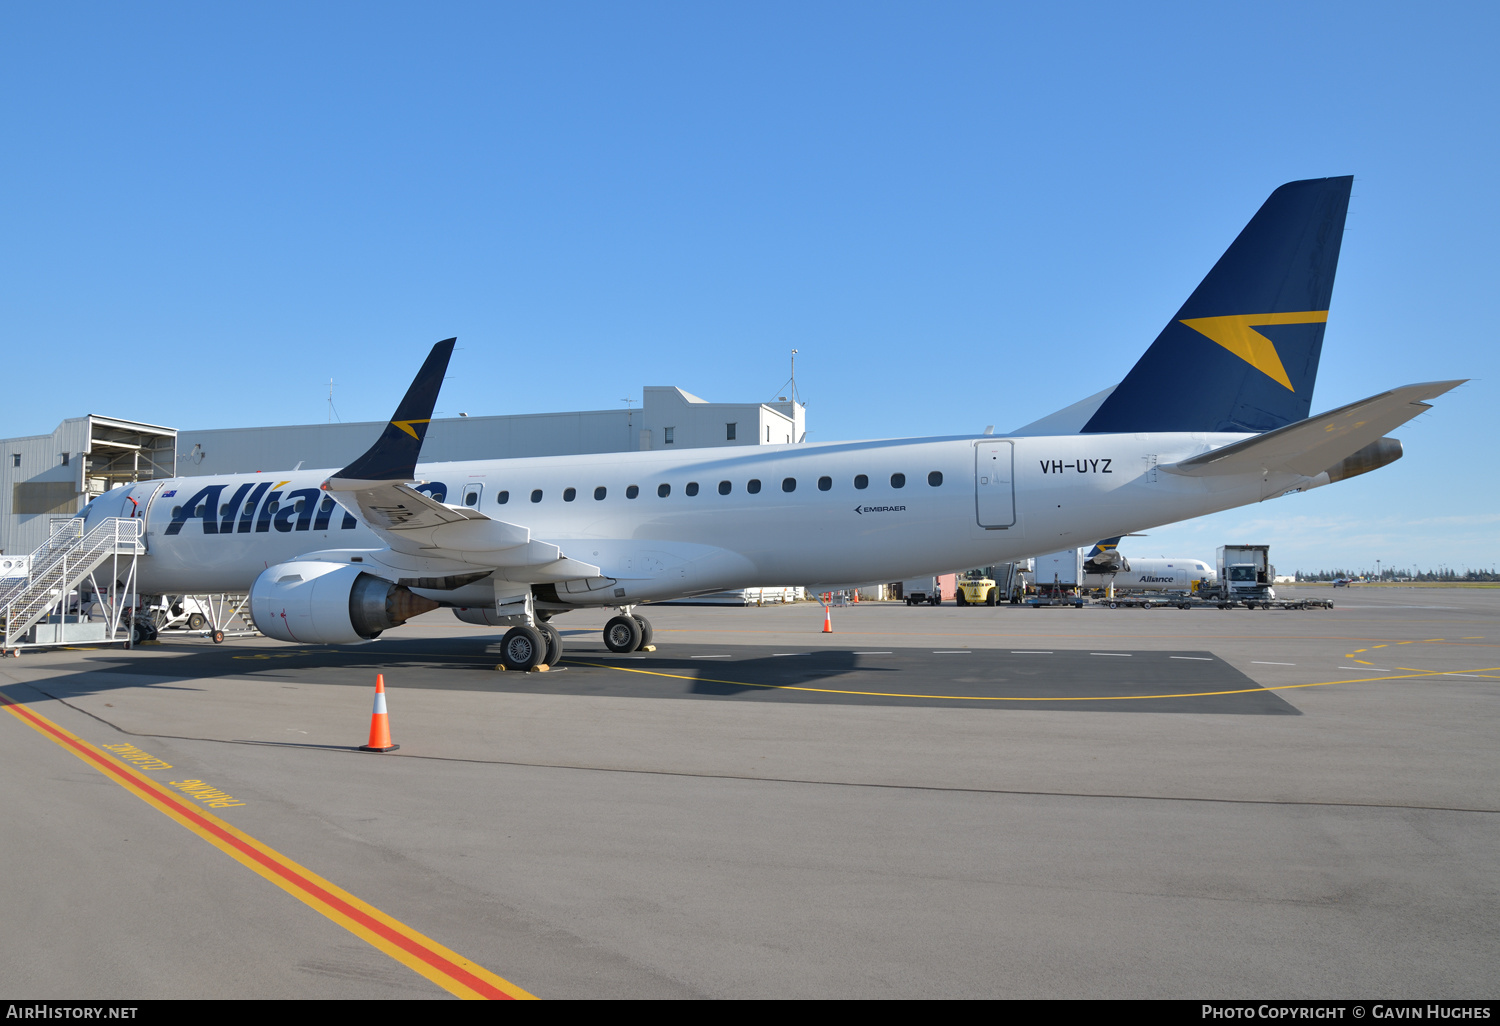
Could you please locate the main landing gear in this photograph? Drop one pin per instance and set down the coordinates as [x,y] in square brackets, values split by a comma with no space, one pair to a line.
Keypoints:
[628,633]
[527,648]
[522,648]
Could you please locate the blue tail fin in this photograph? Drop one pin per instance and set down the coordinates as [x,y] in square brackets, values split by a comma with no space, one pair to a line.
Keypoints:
[1242,353]
[1107,545]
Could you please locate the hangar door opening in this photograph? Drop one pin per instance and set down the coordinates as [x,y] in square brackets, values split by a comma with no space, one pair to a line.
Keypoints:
[994,484]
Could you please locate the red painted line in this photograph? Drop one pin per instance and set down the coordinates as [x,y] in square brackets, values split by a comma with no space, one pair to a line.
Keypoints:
[397,938]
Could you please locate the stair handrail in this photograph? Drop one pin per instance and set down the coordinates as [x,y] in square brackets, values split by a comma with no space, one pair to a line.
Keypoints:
[29,598]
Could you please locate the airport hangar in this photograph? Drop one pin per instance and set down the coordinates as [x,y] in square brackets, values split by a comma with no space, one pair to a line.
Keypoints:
[49,476]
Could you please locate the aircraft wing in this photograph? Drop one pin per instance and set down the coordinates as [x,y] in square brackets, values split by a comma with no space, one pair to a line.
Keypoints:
[1311,446]
[412,522]
[377,487]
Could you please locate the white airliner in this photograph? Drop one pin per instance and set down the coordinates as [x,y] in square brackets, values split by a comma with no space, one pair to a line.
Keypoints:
[1213,416]
[1106,565]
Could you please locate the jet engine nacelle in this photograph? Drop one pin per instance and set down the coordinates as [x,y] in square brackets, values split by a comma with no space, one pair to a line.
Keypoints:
[1377,454]
[315,602]
[1112,561]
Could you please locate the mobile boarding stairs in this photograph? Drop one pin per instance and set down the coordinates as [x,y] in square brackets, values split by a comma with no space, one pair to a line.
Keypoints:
[41,588]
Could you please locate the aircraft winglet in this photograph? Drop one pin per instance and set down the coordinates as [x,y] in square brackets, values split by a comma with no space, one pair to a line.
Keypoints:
[393,457]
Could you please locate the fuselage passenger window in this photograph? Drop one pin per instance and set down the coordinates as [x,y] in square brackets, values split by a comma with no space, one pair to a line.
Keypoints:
[692,488]
[861,481]
[825,483]
[536,495]
[753,486]
[600,492]
[632,491]
[724,487]
[569,494]
[663,490]
[503,498]
[898,480]
[789,484]
[935,478]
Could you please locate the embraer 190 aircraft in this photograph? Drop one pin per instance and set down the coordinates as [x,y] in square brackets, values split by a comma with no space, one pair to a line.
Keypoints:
[1214,415]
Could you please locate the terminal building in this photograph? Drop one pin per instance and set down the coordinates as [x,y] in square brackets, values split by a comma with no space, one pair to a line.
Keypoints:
[46,477]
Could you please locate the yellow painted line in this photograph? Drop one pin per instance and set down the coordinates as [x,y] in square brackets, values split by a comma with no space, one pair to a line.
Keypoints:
[446,968]
[1015,698]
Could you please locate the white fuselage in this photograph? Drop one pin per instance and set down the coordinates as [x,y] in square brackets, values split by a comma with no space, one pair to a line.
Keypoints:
[1155,575]
[1061,490]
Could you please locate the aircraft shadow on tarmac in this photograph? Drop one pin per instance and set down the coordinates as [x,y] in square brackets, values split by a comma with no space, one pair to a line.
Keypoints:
[1080,681]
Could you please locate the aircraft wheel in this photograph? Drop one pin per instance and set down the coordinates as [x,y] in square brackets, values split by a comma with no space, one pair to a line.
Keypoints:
[645,630]
[521,649]
[196,621]
[622,634]
[989,597]
[552,642]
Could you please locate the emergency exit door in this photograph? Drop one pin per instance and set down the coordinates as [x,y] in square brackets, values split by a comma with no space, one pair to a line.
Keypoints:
[994,484]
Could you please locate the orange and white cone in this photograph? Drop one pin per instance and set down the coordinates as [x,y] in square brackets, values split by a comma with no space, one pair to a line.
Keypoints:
[827,621]
[380,727]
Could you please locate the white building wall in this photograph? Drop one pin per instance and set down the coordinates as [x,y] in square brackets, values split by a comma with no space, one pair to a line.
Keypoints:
[694,424]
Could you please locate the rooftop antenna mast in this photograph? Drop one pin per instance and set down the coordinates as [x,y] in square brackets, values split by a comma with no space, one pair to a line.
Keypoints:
[332,413]
[792,381]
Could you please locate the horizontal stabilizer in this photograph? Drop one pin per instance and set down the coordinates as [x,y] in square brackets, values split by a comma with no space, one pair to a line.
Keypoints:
[1311,446]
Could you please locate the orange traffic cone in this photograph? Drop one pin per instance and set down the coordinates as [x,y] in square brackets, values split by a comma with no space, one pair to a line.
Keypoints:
[380,727]
[827,622]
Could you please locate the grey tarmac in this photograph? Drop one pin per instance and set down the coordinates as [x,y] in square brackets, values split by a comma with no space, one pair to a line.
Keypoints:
[1299,804]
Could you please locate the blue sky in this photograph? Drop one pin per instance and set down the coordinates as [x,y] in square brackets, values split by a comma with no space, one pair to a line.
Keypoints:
[960,214]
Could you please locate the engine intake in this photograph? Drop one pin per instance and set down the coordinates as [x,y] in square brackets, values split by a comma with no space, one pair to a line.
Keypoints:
[316,602]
